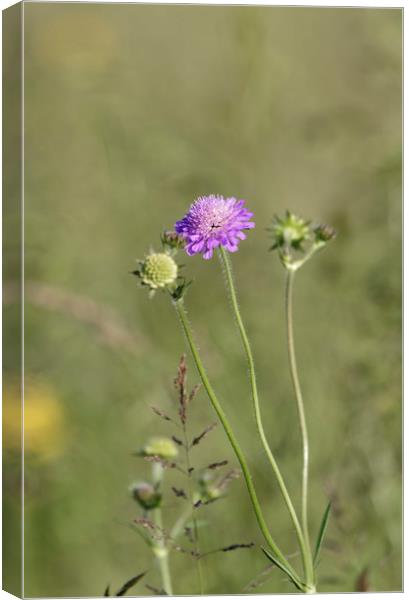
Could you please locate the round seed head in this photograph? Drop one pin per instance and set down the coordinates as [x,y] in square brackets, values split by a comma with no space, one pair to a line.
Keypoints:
[158,270]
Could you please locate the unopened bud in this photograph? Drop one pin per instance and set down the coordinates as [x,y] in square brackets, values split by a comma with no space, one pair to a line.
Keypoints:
[172,241]
[324,233]
[290,231]
[146,495]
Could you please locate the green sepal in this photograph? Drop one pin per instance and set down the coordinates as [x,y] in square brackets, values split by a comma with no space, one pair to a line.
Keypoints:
[321,533]
[179,291]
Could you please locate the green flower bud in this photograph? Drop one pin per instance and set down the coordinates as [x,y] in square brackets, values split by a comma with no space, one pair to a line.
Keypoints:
[146,495]
[172,241]
[324,233]
[289,235]
[290,231]
[160,446]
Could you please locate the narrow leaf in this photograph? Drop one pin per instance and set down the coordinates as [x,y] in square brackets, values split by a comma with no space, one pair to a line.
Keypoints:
[282,568]
[321,533]
[106,593]
[127,586]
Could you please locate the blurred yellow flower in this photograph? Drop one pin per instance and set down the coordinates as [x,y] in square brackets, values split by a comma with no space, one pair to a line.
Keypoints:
[44,431]
[160,446]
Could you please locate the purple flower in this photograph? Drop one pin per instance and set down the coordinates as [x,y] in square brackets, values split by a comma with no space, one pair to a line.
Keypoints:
[214,221]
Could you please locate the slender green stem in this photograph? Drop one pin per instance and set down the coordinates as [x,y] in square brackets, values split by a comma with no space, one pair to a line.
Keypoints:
[256,402]
[300,407]
[162,554]
[181,311]
[180,522]
[190,494]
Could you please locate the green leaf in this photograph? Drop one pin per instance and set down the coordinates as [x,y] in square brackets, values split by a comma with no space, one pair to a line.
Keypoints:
[321,533]
[283,568]
[127,586]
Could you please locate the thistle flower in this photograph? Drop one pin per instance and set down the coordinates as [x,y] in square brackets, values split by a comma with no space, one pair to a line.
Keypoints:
[214,221]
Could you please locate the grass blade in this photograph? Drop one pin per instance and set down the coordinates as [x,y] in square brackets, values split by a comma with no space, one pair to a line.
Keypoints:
[127,586]
[321,533]
[283,568]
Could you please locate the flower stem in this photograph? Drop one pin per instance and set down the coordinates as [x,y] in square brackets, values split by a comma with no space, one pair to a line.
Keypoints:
[181,311]
[177,528]
[300,407]
[250,360]
[162,554]
[190,495]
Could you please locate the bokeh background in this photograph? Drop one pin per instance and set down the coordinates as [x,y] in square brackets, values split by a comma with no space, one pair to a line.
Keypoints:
[130,113]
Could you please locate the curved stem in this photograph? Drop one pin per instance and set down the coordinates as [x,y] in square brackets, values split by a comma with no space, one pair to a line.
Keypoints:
[300,406]
[250,360]
[181,311]
[177,528]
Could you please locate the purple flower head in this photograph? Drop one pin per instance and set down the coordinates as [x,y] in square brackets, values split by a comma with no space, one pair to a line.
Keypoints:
[214,221]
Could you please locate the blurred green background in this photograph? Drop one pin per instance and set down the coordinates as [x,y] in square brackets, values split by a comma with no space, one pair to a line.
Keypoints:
[130,113]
